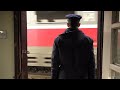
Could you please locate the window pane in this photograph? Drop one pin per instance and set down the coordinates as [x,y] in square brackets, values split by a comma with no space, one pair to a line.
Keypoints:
[116,48]
[51,16]
[88,17]
[115,75]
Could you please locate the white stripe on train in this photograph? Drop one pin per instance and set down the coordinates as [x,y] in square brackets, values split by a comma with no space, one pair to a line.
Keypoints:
[57,26]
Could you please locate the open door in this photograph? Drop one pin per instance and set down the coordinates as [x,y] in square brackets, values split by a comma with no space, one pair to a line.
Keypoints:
[20,41]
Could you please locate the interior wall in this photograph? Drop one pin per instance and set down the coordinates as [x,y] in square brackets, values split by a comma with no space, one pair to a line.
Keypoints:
[7,45]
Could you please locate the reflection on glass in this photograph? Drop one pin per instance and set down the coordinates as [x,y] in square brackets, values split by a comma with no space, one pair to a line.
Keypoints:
[118,45]
[117,59]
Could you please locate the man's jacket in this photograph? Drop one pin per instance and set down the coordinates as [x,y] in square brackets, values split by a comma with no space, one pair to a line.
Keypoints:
[73,56]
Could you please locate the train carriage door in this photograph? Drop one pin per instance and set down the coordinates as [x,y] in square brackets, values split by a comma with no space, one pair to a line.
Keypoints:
[20,34]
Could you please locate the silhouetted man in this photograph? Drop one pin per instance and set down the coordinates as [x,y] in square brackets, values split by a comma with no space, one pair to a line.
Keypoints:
[72,55]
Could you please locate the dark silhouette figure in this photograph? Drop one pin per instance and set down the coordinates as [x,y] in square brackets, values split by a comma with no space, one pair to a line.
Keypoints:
[72,55]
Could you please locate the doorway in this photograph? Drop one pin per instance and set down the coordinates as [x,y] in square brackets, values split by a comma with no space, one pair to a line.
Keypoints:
[36,37]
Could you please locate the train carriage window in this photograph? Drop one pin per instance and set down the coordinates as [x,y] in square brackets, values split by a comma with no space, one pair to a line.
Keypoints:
[52,16]
[89,17]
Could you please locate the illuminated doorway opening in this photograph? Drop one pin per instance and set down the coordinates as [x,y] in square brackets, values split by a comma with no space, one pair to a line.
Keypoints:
[42,28]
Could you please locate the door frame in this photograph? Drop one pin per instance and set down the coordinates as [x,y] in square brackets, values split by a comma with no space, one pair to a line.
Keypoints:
[20,42]
[100,33]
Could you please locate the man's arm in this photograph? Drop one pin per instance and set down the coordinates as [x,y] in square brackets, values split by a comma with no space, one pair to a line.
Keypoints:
[55,61]
[91,67]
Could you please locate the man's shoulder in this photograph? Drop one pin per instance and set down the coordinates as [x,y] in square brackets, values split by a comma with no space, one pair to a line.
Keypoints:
[57,38]
[88,39]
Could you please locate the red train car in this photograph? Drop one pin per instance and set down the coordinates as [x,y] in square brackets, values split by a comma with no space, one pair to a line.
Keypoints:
[44,36]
